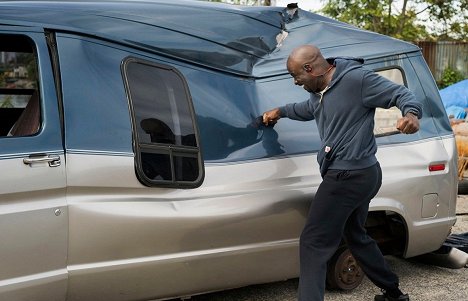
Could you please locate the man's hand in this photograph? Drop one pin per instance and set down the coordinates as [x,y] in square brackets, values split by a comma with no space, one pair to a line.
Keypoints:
[409,124]
[271,117]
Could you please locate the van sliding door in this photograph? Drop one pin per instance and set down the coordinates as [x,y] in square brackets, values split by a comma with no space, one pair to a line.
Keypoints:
[33,212]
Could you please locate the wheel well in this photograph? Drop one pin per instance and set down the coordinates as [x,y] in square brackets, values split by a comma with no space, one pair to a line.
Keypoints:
[389,230]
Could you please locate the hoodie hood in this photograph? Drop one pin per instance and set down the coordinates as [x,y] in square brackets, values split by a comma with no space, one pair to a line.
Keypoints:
[343,65]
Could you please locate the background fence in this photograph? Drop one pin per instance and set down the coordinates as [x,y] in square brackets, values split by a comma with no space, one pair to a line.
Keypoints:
[444,54]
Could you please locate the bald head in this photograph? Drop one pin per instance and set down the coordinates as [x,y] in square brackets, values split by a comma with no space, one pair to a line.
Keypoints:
[309,68]
[307,54]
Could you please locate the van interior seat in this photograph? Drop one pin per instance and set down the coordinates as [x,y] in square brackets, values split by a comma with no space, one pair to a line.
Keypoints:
[29,121]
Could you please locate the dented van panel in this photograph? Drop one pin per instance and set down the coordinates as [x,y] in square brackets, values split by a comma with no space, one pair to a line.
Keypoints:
[134,168]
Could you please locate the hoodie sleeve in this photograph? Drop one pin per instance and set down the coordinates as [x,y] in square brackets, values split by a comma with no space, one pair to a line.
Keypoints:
[302,111]
[379,92]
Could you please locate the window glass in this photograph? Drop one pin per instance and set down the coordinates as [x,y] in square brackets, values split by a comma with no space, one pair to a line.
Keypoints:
[385,119]
[167,150]
[157,167]
[160,117]
[19,100]
[186,168]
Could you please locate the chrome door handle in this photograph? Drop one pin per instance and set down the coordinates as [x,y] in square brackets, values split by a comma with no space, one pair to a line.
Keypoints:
[53,161]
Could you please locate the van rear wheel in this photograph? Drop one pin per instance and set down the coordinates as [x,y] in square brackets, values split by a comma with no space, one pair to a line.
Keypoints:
[343,271]
[463,186]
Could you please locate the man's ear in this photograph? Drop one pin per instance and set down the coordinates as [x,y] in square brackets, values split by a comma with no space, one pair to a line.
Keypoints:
[307,68]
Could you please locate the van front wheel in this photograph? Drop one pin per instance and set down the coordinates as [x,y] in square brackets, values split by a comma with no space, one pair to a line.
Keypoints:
[343,271]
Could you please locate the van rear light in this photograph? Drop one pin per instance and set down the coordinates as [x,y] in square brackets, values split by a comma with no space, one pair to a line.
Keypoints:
[436,167]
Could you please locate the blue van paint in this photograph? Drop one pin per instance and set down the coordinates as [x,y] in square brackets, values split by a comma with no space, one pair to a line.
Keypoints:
[101,109]
[169,28]
[48,137]
[226,106]
[92,230]
[233,75]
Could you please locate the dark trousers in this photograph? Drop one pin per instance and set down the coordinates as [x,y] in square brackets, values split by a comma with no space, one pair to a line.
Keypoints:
[339,210]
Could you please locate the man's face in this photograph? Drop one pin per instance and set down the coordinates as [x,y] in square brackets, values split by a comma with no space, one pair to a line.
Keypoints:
[301,77]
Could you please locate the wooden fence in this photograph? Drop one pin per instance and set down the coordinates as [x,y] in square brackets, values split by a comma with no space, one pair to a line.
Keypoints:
[444,54]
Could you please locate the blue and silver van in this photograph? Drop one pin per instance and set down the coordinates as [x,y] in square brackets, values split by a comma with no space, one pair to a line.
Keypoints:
[132,167]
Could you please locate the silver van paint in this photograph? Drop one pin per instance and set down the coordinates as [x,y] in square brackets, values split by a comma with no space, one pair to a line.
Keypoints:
[236,220]
[89,229]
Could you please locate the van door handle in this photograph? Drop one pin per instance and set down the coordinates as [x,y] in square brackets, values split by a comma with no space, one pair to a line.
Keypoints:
[53,161]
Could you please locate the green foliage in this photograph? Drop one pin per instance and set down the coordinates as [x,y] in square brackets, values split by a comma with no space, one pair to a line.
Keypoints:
[377,16]
[408,20]
[6,103]
[447,19]
[450,77]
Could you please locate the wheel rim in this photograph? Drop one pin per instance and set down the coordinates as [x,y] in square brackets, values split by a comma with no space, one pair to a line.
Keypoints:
[348,273]
[345,272]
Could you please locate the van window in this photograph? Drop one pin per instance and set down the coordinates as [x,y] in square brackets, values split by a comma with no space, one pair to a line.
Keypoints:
[385,119]
[165,136]
[19,97]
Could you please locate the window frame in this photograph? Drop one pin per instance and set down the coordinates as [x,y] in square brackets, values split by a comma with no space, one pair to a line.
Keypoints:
[405,83]
[26,91]
[390,67]
[172,150]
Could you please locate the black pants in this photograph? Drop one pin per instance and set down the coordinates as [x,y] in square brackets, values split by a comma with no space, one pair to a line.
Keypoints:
[339,210]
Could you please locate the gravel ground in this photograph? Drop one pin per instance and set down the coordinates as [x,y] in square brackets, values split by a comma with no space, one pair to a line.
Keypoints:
[422,282]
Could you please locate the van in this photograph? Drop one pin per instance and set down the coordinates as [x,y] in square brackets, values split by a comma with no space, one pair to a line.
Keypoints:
[132,167]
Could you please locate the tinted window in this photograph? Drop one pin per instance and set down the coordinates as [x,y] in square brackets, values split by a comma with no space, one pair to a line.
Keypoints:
[19,97]
[164,129]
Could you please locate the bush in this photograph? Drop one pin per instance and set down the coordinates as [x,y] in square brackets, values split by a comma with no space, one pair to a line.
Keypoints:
[450,77]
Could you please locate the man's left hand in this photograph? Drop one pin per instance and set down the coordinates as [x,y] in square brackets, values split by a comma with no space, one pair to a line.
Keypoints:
[409,124]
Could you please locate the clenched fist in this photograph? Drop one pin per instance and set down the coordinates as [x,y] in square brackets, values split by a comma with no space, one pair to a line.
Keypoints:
[271,117]
[409,124]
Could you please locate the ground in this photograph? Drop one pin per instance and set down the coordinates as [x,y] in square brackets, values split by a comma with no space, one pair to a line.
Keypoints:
[423,282]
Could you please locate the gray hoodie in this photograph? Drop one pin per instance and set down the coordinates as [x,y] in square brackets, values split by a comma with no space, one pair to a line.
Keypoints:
[345,111]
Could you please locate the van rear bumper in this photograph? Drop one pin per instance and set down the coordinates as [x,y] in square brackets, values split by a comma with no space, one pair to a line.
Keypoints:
[427,235]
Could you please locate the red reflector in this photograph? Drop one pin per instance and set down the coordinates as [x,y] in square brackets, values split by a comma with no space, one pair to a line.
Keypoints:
[436,167]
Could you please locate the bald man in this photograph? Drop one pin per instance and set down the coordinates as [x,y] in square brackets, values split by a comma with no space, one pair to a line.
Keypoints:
[343,98]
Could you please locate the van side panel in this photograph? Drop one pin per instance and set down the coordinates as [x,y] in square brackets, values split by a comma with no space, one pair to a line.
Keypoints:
[131,241]
[128,241]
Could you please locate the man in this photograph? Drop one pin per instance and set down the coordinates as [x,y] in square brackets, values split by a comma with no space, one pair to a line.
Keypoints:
[343,98]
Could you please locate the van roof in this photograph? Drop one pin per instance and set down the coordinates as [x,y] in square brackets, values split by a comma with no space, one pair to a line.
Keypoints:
[248,41]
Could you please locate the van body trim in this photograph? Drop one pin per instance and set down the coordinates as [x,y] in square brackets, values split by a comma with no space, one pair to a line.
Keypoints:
[314,153]
[51,276]
[98,152]
[184,256]
[214,163]
[22,155]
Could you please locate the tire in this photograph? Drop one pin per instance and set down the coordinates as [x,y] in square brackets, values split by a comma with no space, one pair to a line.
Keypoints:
[343,271]
[463,186]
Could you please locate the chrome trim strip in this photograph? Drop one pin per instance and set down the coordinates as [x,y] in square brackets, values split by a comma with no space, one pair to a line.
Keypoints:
[8,284]
[22,155]
[131,154]
[452,135]
[183,256]
[98,152]
[208,163]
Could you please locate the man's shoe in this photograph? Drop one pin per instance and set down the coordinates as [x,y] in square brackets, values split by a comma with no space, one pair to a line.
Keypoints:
[385,297]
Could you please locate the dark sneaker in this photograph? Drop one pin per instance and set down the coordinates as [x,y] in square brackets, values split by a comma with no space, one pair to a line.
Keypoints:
[385,297]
